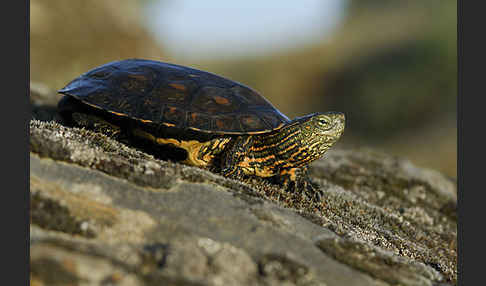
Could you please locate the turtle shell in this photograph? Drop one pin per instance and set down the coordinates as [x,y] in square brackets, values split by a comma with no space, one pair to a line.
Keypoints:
[175,96]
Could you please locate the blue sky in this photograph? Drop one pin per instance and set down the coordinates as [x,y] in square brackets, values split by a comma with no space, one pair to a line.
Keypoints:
[215,28]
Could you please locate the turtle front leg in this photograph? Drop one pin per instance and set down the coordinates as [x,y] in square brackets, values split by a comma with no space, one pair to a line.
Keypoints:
[297,180]
[233,156]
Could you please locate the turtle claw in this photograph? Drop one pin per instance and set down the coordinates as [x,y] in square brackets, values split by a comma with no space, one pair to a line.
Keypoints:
[297,181]
[309,189]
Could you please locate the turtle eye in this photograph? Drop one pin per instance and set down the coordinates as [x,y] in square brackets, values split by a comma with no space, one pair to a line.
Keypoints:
[322,121]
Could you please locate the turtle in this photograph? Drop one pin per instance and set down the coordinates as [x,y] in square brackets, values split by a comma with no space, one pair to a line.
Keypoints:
[214,121]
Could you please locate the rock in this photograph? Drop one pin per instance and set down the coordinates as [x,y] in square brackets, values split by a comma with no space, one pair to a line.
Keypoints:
[104,212]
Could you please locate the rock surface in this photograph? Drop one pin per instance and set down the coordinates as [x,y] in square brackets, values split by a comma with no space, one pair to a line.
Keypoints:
[105,213]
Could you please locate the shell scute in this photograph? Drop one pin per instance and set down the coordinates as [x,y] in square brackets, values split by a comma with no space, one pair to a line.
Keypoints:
[198,121]
[251,122]
[174,115]
[214,100]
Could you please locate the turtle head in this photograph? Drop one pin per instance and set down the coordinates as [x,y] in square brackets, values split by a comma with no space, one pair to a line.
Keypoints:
[318,132]
[325,127]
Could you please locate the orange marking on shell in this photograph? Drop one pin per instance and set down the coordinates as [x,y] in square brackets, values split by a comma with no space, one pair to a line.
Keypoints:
[248,120]
[120,114]
[219,124]
[221,100]
[138,76]
[168,124]
[178,86]
[93,105]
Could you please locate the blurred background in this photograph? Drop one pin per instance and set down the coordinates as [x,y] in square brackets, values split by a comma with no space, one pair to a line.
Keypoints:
[389,65]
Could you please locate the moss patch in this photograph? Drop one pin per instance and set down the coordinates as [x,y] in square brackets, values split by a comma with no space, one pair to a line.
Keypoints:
[380,264]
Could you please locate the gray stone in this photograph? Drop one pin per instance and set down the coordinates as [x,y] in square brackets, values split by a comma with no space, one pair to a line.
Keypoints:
[104,213]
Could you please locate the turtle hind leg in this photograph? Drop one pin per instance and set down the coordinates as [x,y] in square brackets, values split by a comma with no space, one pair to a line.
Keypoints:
[96,124]
[298,180]
[74,114]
